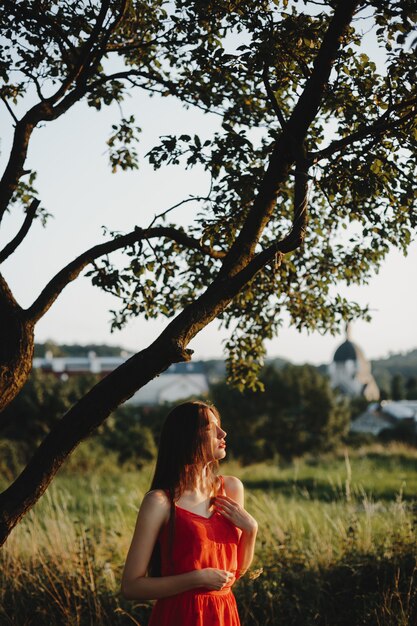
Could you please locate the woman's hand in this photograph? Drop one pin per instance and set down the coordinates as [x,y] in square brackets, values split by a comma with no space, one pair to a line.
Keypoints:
[235,513]
[214,579]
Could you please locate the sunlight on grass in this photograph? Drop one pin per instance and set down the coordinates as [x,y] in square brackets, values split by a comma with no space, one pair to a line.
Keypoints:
[63,563]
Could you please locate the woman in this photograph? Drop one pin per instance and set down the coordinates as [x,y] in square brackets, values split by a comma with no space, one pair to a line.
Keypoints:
[193,535]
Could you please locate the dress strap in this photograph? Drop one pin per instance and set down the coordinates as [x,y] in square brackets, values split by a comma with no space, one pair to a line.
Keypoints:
[221,490]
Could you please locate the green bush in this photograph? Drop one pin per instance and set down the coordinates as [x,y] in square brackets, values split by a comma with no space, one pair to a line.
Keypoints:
[43,400]
[297,413]
[362,590]
[125,434]
[405,432]
[12,458]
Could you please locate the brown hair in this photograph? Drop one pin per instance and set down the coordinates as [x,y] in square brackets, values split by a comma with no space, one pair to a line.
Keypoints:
[182,452]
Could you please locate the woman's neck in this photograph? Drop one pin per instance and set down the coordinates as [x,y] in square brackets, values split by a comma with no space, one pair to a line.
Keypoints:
[202,484]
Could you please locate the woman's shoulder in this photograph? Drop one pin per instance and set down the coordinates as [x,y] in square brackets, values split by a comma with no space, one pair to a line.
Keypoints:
[157,500]
[233,487]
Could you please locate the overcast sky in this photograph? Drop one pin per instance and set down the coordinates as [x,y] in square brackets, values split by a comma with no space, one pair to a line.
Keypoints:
[76,186]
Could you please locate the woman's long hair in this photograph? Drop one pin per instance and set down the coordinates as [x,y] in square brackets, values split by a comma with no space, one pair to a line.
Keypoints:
[183,452]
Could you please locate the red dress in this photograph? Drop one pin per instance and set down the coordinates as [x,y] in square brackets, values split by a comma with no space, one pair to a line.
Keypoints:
[198,542]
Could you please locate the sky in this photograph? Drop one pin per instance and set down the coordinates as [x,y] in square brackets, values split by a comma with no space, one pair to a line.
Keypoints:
[76,185]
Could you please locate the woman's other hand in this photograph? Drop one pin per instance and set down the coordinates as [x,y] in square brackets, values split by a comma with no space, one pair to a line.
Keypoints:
[214,579]
[235,513]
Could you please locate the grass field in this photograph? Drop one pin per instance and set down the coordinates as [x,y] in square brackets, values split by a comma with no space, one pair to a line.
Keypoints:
[336,546]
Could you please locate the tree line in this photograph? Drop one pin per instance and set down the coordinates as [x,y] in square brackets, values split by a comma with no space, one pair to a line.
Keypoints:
[298,412]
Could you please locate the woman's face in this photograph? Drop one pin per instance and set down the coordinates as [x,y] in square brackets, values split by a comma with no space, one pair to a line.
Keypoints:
[216,438]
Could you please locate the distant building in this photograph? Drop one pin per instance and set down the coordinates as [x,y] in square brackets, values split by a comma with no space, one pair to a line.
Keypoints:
[350,371]
[65,366]
[386,414]
[181,380]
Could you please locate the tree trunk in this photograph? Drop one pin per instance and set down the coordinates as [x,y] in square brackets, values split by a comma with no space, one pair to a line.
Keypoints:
[16,347]
[85,416]
[16,355]
[77,424]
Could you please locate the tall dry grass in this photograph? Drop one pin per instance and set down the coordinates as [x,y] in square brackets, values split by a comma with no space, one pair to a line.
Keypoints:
[336,545]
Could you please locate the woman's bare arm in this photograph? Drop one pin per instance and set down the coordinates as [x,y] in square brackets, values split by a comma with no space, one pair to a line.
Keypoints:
[153,513]
[232,507]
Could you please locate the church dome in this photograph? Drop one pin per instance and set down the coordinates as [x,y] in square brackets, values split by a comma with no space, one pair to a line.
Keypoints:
[348,351]
[350,371]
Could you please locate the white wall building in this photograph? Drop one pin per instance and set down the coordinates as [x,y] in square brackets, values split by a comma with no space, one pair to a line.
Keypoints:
[180,381]
[351,372]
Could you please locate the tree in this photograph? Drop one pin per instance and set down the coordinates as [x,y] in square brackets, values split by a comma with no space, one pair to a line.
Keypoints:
[298,412]
[129,437]
[243,414]
[307,119]
[45,398]
[42,402]
[306,414]
[398,391]
[411,386]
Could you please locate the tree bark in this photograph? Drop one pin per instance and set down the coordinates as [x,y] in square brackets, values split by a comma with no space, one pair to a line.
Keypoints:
[77,424]
[14,168]
[16,346]
[17,240]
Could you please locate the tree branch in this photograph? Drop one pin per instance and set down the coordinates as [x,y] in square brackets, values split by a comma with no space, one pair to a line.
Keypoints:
[272,98]
[85,56]
[309,102]
[17,240]
[41,18]
[303,66]
[85,62]
[36,82]
[79,422]
[380,126]
[130,75]
[71,271]
[181,237]
[127,75]
[137,45]
[6,296]
[297,233]
[14,168]
[295,237]
[178,204]
[289,147]
[9,108]
[45,111]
